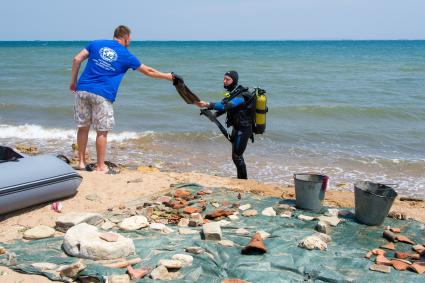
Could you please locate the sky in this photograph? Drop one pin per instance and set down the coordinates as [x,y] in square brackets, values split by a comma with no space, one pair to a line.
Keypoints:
[213,19]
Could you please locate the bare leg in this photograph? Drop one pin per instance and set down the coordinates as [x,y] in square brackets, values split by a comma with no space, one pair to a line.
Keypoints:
[101,141]
[82,137]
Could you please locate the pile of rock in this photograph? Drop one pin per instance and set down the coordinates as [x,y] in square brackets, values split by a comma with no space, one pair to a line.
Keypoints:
[401,261]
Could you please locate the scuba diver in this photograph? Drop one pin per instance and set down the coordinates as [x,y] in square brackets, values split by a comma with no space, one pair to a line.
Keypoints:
[237,104]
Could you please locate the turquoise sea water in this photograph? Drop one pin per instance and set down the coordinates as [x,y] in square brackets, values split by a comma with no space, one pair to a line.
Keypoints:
[351,109]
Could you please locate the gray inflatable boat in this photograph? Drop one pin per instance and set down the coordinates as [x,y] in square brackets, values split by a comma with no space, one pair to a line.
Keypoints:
[30,180]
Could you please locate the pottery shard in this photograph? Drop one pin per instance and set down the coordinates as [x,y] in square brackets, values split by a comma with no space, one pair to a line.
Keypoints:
[389,246]
[389,236]
[404,255]
[404,239]
[39,232]
[218,213]
[181,194]
[382,260]
[399,265]
[418,268]
[417,248]
[109,237]
[368,254]
[395,230]
[190,210]
[378,252]
[380,268]
[133,223]
[212,231]
[83,241]
[2,250]
[136,274]
[241,231]
[66,221]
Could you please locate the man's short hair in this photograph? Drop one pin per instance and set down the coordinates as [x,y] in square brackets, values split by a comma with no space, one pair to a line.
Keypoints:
[121,31]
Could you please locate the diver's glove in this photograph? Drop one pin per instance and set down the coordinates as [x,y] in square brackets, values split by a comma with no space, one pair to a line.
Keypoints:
[176,78]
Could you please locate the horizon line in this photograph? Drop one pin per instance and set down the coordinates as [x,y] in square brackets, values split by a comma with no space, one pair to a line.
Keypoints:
[209,40]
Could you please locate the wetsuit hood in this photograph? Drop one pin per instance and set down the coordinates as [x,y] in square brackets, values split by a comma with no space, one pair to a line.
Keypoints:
[235,77]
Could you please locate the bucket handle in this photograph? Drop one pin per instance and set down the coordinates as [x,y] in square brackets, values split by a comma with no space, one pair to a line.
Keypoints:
[391,185]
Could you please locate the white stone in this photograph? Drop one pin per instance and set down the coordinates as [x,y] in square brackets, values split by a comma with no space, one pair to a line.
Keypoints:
[44,266]
[184,222]
[313,243]
[187,260]
[305,217]
[325,238]
[332,212]
[71,270]
[212,231]
[196,219]
[215,204]
[264,234]
[233,217]
[195,250]
[187,231]
[226,243]
[157,226]
[39,232]
[245,207]
[242,231]
[249,213]
[83,241]
[68,220]
[134,223]
[167,230]
[322,227]
[269,211]
[286,214]
[123,278]
[170,263]
[159,273]
[333,221]
[107,225]
[224,223]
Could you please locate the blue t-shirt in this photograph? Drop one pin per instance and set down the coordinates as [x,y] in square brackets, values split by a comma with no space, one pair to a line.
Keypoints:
[107,63]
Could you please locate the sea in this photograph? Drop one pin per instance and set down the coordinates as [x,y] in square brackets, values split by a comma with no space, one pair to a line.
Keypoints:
[353,110]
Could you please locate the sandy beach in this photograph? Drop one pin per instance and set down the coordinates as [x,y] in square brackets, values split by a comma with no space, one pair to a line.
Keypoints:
[132,185]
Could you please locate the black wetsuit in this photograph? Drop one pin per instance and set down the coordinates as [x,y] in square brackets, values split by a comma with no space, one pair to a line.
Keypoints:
[239,116]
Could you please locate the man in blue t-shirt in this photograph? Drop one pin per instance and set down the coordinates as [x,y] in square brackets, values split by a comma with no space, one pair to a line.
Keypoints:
[96,90]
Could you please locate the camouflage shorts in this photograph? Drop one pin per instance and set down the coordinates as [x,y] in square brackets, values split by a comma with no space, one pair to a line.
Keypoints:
[92,109]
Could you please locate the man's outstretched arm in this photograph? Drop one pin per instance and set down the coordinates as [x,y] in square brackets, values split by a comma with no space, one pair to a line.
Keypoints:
[76,63]
[151,72]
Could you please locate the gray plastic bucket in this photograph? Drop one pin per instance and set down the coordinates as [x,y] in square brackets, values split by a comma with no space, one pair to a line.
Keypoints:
[310,190]
[373,201]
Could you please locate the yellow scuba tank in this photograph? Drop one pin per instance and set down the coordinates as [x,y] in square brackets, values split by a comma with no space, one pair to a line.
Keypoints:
[260,111]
